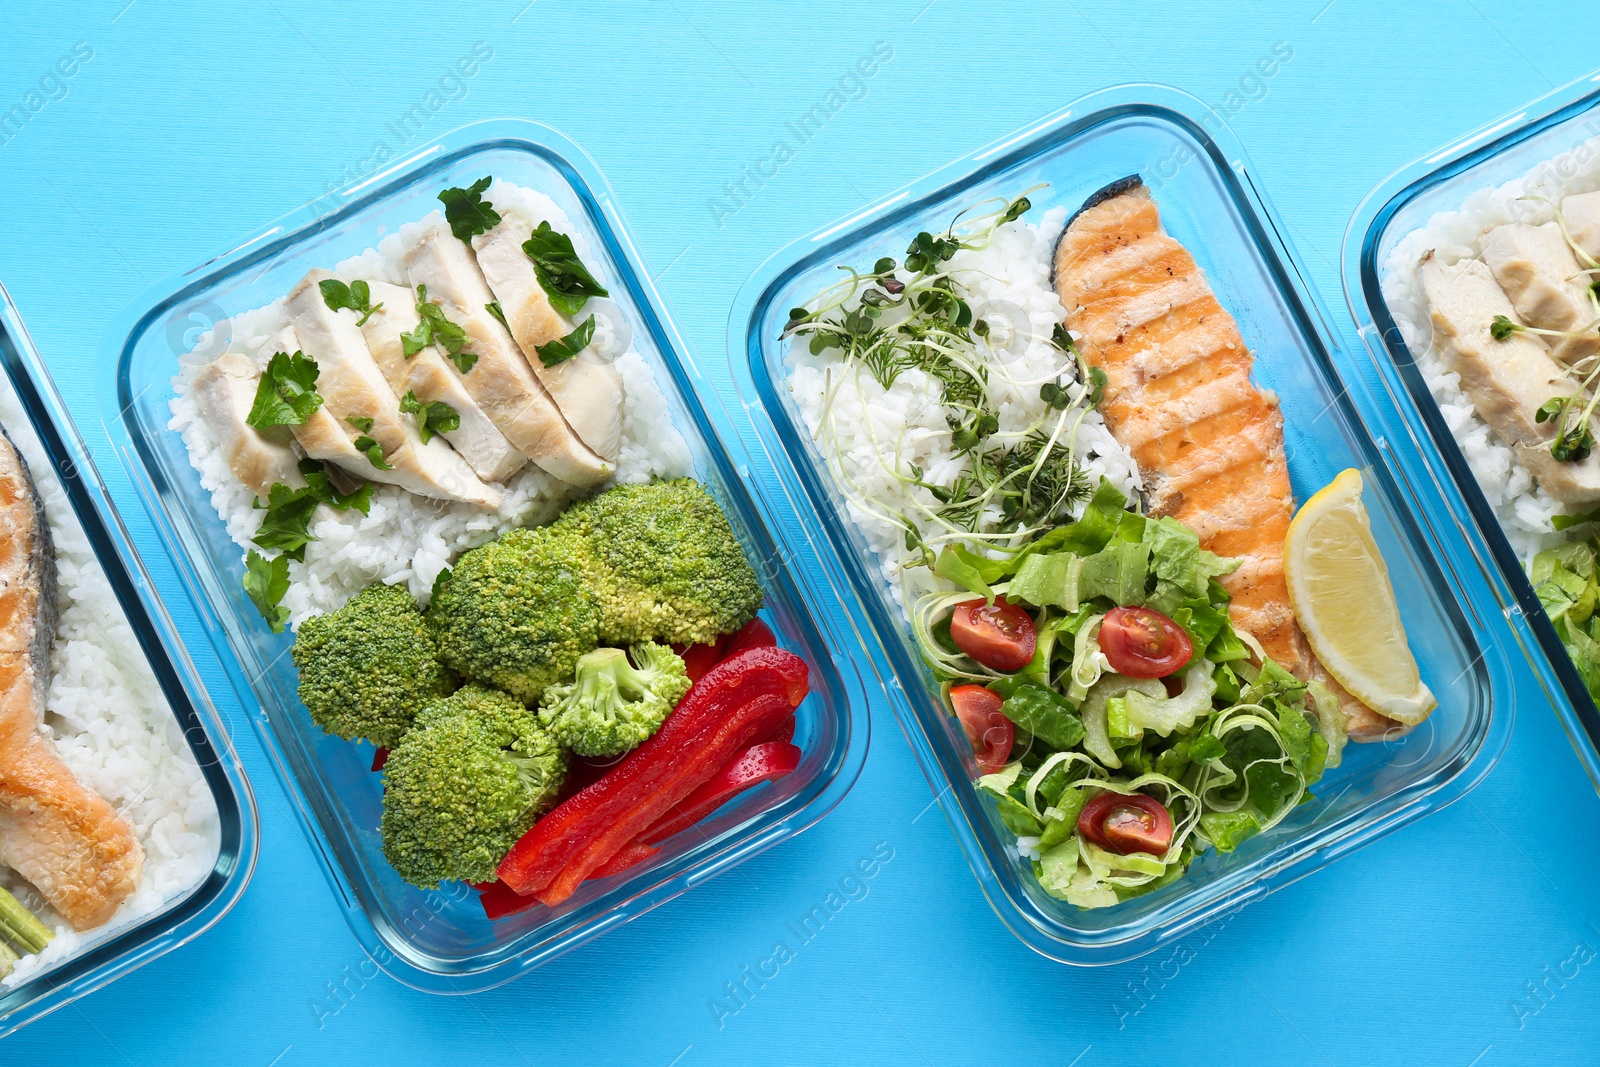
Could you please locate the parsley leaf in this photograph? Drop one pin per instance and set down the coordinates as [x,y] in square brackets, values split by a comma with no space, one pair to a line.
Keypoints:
[436,329]
[287,392]
[286,527]
[357,296]
[494,308]
[563,349]
[266,580]
[318,482]
[561,273]
[361,422]
[467,212]
[374,452]
[433,417]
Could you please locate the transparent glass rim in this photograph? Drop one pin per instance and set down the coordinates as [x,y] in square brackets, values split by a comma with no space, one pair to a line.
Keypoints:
[1395,387]
[203,906]
[1043,933]
[387,946]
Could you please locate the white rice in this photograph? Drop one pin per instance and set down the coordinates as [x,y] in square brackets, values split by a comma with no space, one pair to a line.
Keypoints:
[1523,508]
[406,538]
[112,727]
[874,436]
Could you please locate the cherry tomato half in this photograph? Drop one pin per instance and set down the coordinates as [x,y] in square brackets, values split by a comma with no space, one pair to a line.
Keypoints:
[1000,635]
[1124,823]
[990,732]
[1143,643]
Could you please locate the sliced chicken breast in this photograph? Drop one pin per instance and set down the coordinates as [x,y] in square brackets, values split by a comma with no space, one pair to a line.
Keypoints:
[1582,214]
[500,381]
[321,436]
[1536,268]
[224,391]
[431,379]
[353,388]
[1507,380]
[588,392]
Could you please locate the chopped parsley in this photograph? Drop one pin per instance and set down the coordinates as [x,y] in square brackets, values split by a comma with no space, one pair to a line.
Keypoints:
[436,329]
[493,307]
[287,392]
[467,212]
[286,527]
[374,452]
[265,581]
[566,281]
[357,296]
[434,417]
[361,422]
[562,349]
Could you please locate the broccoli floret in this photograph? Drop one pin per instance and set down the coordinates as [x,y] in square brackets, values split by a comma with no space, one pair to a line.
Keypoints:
[613,706]
[369,667]
[517,613]
[665,563]
[468,779]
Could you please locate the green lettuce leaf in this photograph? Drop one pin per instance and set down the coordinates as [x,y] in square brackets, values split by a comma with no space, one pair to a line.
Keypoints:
[1045,714]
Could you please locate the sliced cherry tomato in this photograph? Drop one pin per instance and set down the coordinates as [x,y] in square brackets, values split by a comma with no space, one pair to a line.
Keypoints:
[1123,823]
[989,732]
[1143,643]
[1000,635]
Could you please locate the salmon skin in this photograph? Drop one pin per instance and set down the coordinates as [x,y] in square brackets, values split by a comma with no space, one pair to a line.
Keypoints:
[56,833]
[1178,396]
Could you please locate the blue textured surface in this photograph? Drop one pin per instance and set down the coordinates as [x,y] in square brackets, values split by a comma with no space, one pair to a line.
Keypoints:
[1468,938]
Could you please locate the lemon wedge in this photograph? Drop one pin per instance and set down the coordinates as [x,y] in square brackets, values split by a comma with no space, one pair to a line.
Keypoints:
[1342,598]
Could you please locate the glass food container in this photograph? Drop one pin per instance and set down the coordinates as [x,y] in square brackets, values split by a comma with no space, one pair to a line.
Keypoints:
[1545,141]
[151,670]
[1210,202]
[440,940]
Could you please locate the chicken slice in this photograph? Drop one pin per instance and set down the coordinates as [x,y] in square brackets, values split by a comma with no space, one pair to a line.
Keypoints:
[1507,380]
[1582,214]
[588,392]
[224,390]
[1536,268]
[353,388]
[430,378]
[500,380]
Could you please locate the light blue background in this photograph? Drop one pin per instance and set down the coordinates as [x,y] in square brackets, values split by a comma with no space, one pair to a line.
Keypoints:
[196,123]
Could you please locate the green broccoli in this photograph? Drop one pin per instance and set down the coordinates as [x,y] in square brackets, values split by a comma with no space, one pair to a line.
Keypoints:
[369,667]
[473,773]
[613,706]
[516,613]
[665,563]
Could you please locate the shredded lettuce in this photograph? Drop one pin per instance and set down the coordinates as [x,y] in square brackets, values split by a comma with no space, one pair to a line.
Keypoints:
[1166,714]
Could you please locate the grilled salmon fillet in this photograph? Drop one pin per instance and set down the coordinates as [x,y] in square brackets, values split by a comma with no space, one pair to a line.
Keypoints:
[54,832]
[1178,396]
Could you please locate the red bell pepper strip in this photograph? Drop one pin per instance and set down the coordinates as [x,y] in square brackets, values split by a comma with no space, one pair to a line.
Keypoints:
[743,724]
[633,852]
[379,759]
[556,838]
[784,732]
[756,764]
[498,901]
[755,634]
[698,659]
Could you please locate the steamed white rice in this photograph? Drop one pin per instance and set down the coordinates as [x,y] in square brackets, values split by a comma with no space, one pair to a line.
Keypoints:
[872,436]
[112,727]
[1523,508]
[407,538]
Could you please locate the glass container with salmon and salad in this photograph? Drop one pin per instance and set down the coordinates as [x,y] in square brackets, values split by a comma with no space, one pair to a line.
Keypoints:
[1167,632]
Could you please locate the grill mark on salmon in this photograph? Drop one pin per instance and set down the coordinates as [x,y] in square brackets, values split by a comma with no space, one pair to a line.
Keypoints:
[56,833]
[1179,396]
